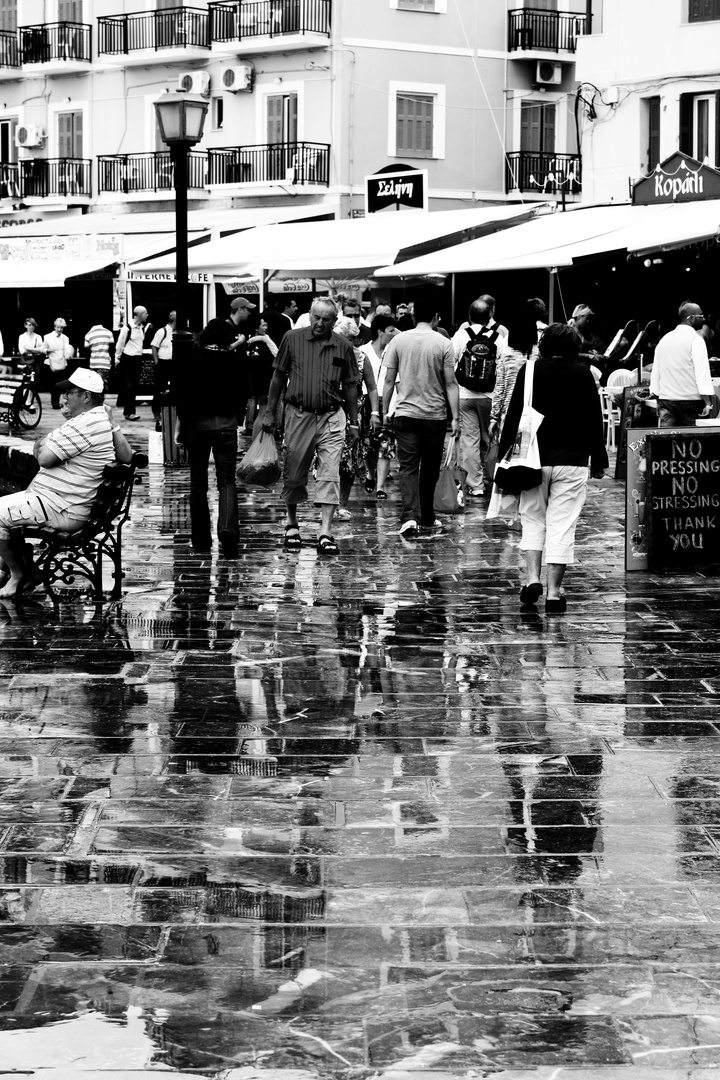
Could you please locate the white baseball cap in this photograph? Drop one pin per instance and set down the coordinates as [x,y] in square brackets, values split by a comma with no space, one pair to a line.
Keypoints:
[83,379]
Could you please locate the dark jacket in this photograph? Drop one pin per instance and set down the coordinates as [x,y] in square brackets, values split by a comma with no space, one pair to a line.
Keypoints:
[572,428]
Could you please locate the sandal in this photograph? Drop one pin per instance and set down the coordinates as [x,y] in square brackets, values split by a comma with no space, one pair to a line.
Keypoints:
[293,540]
[327,546]
[381,495]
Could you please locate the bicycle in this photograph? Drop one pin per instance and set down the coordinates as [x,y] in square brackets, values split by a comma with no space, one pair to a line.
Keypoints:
[20,404]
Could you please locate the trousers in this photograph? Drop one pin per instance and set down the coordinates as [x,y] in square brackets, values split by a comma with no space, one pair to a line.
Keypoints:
[223,446]
[419,450]
[474,438]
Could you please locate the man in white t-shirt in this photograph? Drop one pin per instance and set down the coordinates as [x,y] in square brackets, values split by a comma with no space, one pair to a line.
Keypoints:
[680,376]
[71,460]
[424,364]
[475,406]
[57,353]
[162,349]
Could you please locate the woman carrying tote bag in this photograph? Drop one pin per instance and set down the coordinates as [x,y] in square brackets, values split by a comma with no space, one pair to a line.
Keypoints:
[570,436]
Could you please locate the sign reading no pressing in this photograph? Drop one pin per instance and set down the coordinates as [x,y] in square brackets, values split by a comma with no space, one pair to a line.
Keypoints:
[396,189]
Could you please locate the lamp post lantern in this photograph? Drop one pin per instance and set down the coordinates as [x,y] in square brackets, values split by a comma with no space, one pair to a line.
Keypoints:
[181,118]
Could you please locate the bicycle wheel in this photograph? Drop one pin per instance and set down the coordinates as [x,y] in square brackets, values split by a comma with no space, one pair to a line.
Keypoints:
[28,408]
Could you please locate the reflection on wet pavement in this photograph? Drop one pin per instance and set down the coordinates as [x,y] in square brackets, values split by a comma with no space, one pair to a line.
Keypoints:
[362,816]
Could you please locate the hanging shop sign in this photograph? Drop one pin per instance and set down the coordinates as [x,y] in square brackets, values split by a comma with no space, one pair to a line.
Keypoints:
[195,277]
[396,189]
[677,179]
[95,247]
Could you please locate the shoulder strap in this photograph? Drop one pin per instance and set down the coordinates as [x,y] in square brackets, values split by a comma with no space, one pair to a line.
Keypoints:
[529,373]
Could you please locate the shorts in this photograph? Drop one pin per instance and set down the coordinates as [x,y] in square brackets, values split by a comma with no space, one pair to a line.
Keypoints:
[23,508]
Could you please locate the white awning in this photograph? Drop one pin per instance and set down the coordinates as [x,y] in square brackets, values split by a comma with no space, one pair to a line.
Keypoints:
[336,248]
[45,254]
[557,239]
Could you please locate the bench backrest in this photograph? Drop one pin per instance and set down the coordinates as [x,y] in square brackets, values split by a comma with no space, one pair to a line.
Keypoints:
[9,385]
[112,501]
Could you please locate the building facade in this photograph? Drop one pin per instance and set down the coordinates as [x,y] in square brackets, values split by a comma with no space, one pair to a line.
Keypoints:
[640,105]
[306,98]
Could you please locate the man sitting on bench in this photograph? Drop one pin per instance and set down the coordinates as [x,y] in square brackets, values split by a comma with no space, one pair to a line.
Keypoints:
[72,459]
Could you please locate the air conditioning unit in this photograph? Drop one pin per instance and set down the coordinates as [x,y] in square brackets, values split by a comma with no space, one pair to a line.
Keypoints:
[238,77]
[548,73]
[195,82]
[29,135]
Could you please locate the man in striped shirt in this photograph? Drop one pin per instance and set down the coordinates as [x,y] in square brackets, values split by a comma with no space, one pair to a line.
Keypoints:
[322,376]
[98,342]
[71,460]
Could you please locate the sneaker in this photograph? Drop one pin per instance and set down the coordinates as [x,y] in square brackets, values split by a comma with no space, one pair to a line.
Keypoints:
[382,495]
[435,526]
[476,493]
[409,530]
[342,514]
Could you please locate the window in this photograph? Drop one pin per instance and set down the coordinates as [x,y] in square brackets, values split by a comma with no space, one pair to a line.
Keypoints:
[537,128]
[703,10]
[70,134]
[652,127]
[699,118]
[8,150]
[438,7]
[8,15]
[416,120]
[282,115]
[70,11]
[218,113]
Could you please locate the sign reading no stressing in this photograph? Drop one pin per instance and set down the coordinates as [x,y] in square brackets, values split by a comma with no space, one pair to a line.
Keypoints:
[683,500]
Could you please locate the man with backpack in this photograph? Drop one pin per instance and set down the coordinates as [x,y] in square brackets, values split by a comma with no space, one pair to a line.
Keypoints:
[476,345]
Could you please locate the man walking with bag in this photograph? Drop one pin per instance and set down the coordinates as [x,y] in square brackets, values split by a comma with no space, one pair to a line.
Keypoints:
[476,345]
[423,363]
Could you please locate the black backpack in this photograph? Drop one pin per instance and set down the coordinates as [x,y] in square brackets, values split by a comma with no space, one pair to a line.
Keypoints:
[476,369]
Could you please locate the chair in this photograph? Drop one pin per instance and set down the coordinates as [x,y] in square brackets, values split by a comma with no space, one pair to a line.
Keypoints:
[621,377]
[610,416]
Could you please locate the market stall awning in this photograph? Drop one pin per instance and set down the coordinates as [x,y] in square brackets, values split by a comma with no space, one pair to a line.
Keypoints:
[337,248]
[41,254]
[556,240]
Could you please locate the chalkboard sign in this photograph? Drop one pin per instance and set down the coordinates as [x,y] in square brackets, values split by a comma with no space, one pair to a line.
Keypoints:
[147,376]
[683,499]
[634,413]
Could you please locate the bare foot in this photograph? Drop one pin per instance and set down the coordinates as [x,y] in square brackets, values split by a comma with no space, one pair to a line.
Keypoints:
[10,589]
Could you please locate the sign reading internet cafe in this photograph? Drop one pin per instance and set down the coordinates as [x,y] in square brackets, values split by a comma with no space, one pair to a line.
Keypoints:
[677,179]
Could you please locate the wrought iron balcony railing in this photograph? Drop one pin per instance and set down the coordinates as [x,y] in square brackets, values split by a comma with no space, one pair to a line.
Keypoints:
[55,41]
[9,51]
[290,163]
[234,20]
[554,31]
[544,173]
[64,177]
[170,28]
[125,173]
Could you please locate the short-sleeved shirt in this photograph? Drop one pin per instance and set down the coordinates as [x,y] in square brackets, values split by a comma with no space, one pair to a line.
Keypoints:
[84,445]
[163,342]
[423,358]
[131,340]
[99,341]
[58,350]
[316,370]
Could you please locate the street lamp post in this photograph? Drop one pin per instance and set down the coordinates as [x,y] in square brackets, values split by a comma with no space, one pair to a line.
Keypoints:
[181,118]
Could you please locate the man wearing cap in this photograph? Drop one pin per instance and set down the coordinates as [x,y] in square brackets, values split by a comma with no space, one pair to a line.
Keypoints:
[321,374]
[71,460]
[209,413]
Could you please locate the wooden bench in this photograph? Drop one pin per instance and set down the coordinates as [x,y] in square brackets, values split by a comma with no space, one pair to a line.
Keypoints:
[60,557]
[10,383]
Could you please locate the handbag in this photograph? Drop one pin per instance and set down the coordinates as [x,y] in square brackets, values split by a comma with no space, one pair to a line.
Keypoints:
[503,505]
[520,469]
[449,495]
[261,464]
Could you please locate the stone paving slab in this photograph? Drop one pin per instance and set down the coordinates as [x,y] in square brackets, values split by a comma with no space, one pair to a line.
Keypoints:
[292,818]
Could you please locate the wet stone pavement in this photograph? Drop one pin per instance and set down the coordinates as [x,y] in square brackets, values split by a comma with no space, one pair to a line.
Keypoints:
[293,816]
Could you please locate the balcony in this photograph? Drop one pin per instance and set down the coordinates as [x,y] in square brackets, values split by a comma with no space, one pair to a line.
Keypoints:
[171,28]
[9,52]
[9,181]
[128,173]
[276,21]
[52,177]
[548,31]
[543,173]
[286,163]
[62,41]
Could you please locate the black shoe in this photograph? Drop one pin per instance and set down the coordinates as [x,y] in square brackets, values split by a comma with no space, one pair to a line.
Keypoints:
[530,594]
[556,607]
[228,544]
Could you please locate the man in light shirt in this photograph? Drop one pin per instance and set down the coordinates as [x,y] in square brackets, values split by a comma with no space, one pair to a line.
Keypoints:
[129,354]
[681,372]
[162,350]
[71,459]
[57,353]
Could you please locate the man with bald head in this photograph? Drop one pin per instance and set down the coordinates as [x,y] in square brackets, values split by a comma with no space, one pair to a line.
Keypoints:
[321,374]
[129,354]
[681,372]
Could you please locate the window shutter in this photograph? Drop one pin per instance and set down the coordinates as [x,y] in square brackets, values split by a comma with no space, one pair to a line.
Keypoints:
[653,118]
[275,119]
[65,135]
[8,15]
[717,128]
[548,133]
[686,123]
[70,11]
[414,125]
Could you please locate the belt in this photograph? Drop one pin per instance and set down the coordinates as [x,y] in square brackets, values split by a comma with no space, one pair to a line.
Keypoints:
[315,412]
